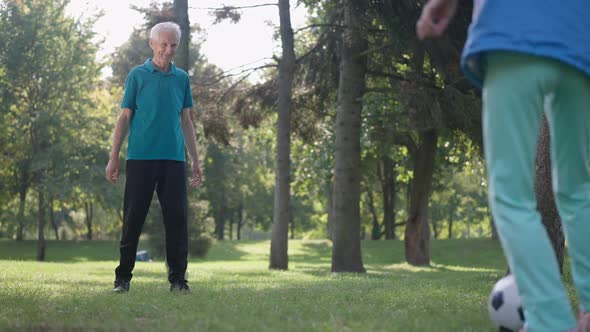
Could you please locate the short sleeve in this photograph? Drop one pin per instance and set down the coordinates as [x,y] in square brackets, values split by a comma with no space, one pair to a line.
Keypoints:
[130,94]
[188,96]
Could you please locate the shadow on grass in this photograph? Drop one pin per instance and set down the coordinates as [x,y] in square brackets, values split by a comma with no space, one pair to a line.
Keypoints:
[227,251]
[60,251]
[316,254]
[99,250]
[446,255]
[312,252]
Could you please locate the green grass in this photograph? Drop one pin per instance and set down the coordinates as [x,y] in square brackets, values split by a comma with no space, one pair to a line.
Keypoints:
[234,291]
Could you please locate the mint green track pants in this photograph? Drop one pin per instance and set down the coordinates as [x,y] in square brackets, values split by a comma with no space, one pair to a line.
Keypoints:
[518,88]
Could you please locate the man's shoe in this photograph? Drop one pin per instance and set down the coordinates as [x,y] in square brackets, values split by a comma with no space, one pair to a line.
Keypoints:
[180,286]
[121,286]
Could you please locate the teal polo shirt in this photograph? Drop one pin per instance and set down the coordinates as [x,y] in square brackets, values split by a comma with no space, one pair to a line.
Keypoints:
[156,99]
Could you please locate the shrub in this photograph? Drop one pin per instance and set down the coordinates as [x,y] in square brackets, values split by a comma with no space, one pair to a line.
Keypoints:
[200,228]
[200,246]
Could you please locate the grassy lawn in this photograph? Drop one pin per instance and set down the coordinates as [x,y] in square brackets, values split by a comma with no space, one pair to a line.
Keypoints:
[232,289]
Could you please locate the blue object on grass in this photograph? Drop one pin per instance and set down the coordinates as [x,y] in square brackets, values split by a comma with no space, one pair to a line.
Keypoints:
[142,256]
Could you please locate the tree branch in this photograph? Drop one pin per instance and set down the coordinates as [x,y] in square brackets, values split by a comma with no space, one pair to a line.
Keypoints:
[313,49]
[233,86]
[225,74]
[388,75]
[234,8]
[317,26]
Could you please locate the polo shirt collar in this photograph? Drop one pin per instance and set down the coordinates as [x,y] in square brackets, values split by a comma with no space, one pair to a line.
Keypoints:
[149,66]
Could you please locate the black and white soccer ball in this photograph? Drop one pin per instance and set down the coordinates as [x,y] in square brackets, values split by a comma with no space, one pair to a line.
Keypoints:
[505,306]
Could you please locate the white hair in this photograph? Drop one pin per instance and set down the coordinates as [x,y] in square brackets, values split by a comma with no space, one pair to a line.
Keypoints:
[165,26]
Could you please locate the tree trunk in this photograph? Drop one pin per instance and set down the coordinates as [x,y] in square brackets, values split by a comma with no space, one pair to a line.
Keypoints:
[346,251]
[388,189]
[292,223]
[41,227]
[89,215]
[52,218]
[545,197]
[376,230]
[435,229]
[451,217]
[222,218]
[330,226]
[231,227]
[417,236]
[240,222]
[20,234]
[221,225]
[280,224]
[181,13]
[452,205]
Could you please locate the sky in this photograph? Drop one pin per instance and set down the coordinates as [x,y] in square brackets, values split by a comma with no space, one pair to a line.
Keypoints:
[226,45]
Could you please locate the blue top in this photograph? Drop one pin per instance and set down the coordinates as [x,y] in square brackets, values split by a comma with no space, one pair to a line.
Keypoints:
[156,99]
[549,28]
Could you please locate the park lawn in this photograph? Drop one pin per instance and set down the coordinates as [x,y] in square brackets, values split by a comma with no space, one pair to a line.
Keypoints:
[233,290]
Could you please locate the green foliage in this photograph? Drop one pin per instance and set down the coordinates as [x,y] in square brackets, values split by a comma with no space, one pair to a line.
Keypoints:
[57,117]
[53,134]
[239,178]
[136,50]
[459,200]
[200,246]
[312,183]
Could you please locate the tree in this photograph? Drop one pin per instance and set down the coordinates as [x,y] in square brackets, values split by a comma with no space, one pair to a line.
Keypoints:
[346,250]
[281,208]
[387,137]
[458,204]
[44,110]
[417,235]
[46,113]
[217,168]
[544,193]
[181,16]
[431,97]
[136,49]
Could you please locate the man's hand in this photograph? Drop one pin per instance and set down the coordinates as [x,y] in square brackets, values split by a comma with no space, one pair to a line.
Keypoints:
[197,176]
[435,18]
[112,170]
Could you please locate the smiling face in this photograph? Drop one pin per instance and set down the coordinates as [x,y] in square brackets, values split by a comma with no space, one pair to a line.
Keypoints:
[164,46]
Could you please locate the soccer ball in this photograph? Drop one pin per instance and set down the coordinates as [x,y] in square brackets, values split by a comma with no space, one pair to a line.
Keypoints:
[505,306]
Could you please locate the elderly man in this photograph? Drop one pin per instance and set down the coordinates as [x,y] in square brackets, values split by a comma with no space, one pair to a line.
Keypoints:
[156,112]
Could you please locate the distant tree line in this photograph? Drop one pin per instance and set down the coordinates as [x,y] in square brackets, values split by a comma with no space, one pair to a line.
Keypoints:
[356,131]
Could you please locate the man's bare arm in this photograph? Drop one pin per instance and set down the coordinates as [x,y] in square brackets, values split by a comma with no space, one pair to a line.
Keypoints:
[435,18]
[121,130]
[190,140]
